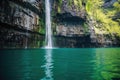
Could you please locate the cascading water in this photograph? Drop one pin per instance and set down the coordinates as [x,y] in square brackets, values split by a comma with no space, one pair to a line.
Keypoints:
[48,38]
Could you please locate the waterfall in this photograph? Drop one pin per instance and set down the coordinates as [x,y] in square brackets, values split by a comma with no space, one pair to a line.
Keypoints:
[48,37]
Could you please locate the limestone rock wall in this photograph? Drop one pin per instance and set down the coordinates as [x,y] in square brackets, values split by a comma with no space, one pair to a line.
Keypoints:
[19,24]
[14,14]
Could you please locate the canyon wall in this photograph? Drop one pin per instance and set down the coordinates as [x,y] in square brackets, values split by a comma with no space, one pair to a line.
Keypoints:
[20,24]
[75,23]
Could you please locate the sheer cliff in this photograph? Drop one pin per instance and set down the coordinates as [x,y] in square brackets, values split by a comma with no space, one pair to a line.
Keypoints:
[75,23]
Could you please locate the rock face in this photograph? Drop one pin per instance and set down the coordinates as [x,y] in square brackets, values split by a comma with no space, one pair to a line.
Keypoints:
[71,8]
[18,15]
[72,25]
[69,30]
[19,24]
[76,29]
[68,18]
[109,3]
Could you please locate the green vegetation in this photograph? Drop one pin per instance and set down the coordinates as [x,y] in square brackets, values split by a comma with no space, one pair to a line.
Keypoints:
[104,20]
[102,17]
[86,28]
[42,26]
[77,3]
[59,4]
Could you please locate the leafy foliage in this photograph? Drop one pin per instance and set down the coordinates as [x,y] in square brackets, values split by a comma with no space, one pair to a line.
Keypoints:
[102,17]
[104,20]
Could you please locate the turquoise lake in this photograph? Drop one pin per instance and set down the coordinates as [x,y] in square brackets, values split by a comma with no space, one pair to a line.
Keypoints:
[60,64]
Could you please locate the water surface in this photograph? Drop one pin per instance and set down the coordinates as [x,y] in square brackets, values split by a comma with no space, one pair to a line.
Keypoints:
[60,64]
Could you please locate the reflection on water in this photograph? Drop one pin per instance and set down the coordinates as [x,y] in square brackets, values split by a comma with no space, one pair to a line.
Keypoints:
[108,64]
[60,64]
[48,66]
